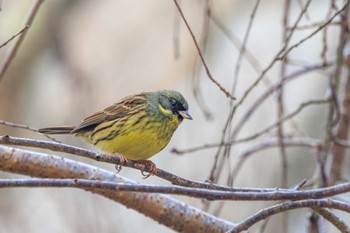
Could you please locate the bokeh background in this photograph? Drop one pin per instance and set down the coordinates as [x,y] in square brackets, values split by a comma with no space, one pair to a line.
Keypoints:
[81,56]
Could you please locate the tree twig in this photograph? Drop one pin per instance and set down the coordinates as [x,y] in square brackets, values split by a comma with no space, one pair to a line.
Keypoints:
[26,127]
[18,41]
[332,218]
[163,209]
[200,54]
[14,36]
[267,212]
[60,147]
[253,108]
[338,154]
[212,195]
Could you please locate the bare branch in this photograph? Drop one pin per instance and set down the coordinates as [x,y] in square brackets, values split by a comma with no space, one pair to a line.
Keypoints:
[60,147]
[283,119]
[338,152]
[165,210]
[325,24]
[13,50]
[14,36]
[200,54]
[276,195]
[197,91]
[267,212]
[259,133]
[279,56]
[259,100]
[26,127]
[268,143]
[19,161]
[243,47]
[332,218]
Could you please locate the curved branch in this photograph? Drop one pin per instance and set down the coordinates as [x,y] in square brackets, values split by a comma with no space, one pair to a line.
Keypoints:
[332,218]
[27,160]
[60,147]
[267,212]
[160,208]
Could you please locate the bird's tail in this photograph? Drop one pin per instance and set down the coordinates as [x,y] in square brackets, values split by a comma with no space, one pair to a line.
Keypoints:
[57,130]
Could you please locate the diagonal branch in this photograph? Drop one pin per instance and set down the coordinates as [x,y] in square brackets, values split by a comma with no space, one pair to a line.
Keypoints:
[336,221]
[14,36]
[267,212]
[160,208]
[13,50]
[200,54]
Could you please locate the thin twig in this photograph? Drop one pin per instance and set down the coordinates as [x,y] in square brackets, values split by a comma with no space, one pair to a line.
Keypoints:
[26,127]
[11,53]
[259,133]
[341,142]
[197,91]
[325,24]
[269,143]
[279,56]
[300,184]
[248,55]
[280,96]
[267,212]
[283,119]
[176,36]
[200,54]
[243,47]
[280,107]
[259,100]
[185,191]
[14,36]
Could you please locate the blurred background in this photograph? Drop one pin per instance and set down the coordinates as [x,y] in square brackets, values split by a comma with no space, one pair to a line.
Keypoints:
[81,56]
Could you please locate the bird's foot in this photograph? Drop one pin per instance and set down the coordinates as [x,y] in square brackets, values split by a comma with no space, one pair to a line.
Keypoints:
[152,170]
[122,160]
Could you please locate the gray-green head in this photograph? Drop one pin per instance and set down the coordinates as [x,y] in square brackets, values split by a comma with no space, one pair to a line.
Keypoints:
[172,103]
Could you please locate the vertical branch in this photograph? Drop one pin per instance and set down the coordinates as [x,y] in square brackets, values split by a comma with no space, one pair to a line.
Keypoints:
[280,96]
[197,92]
[13,50]
[243,47]
[280,110]
[242,50]
[342,131]
[176,35]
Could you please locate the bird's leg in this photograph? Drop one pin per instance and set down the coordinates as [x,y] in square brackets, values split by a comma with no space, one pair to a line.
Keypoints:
[152,170]
[122,160]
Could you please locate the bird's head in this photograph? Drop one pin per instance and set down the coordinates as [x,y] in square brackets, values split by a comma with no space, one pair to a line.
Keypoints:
[173,103]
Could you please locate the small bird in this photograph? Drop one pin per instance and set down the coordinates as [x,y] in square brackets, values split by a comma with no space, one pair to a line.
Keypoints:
[135,128]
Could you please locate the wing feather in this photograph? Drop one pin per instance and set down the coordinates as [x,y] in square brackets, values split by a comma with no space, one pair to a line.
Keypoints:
[120,110]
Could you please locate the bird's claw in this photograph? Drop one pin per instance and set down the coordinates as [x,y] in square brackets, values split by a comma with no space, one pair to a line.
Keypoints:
[152,170]
[122,160]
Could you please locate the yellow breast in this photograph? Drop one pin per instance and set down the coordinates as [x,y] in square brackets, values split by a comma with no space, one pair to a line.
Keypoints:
[135,139]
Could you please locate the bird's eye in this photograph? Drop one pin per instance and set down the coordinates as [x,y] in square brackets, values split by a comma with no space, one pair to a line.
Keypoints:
[173,102]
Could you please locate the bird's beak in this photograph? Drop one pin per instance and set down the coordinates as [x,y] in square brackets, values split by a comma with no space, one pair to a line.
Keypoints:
[185,115]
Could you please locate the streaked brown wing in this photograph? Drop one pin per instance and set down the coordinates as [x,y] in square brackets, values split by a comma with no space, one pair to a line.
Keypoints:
[117,110]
